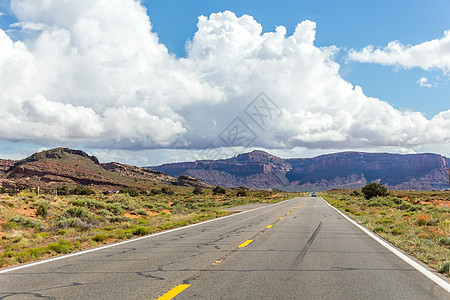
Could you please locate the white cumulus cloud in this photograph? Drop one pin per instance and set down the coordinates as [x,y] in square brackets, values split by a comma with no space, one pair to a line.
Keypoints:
[94,72]
[427,55]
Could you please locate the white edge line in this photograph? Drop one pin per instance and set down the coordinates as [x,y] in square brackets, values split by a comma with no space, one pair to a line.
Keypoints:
[11,269]
[439,281]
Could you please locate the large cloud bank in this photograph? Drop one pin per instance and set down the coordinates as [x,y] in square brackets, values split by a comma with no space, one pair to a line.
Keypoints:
[93,72]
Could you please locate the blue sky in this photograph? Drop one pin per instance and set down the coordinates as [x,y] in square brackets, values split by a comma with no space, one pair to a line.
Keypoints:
[346,24]
[117,80]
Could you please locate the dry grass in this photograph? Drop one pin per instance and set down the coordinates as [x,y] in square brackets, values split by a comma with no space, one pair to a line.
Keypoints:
[418,222]
[35,227]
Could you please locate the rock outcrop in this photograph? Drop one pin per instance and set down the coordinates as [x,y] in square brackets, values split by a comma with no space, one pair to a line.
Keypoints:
[48,169]
[259,169]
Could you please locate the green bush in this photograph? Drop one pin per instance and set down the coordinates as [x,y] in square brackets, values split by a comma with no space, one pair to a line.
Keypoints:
[445,268]
[355,194]
[396,231]
[374,189]
[155,191]
[133,192]
[219,190]
[91,203]
[197,190]
[77,212]
[63,246]
[445,241]
[167,191]
[124,200]
[141,212]
[141,230]
[42,210]
[115,208]
[99,237]
[241,194]
[379,229]
[24,222]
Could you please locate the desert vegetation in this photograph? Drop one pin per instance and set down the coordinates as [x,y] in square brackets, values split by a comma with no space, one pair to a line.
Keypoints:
[35,226]
[416,222]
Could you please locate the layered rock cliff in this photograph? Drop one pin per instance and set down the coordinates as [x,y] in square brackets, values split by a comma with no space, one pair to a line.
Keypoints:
[259,169]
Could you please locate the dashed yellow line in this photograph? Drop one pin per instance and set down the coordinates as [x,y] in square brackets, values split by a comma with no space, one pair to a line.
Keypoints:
[288,213]
[244,244]
[270,226]
[281,218]
[173,292]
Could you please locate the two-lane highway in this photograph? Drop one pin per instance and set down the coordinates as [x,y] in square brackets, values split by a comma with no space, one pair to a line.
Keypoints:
[297,249]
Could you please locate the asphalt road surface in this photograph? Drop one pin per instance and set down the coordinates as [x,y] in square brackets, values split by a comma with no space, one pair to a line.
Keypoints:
[297,249]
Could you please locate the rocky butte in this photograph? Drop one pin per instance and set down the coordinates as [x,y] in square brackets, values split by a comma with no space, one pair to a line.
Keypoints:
[259,169]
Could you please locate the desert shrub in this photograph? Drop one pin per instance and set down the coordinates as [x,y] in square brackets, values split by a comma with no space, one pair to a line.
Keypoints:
[219,190]
[29,254]
[65,223]
[42,209]
[124,200]
[24,222]
[241,193]
[82,190]
[432,222]
[422,219]
[133,192]
[167,191]
[404,206]
[388,221]
[141,212]
[105,213]
[355,194]
[63,246]
[396,231]
[141,230]
[445,268]
[63,190]
[155,191]
[62,232]
[77,212]
[149,206]
[118,219]
[379,229]
[99,237]
[197,190]
[374,189]
[115,208]
[91,203]
[445,241]
[81,224]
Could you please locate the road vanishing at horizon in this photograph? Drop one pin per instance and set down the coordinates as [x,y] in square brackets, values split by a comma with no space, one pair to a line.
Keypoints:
[297,249]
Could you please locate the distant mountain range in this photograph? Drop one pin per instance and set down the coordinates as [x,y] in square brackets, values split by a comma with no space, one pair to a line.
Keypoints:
[259,169]
[256,169]
[63,166]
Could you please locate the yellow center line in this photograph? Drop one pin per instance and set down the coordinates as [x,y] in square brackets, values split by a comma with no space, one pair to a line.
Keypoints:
[288,213]
[281,218]
[173,292]
[270,226]
[245,243]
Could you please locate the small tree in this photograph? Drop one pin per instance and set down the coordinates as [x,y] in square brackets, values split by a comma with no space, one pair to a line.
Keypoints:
[219,190]
[374,189]
[132,191]
[167,191]
[241,193]
[197,190]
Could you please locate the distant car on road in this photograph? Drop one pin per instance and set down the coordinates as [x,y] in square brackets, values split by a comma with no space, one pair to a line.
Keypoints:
[313,194]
